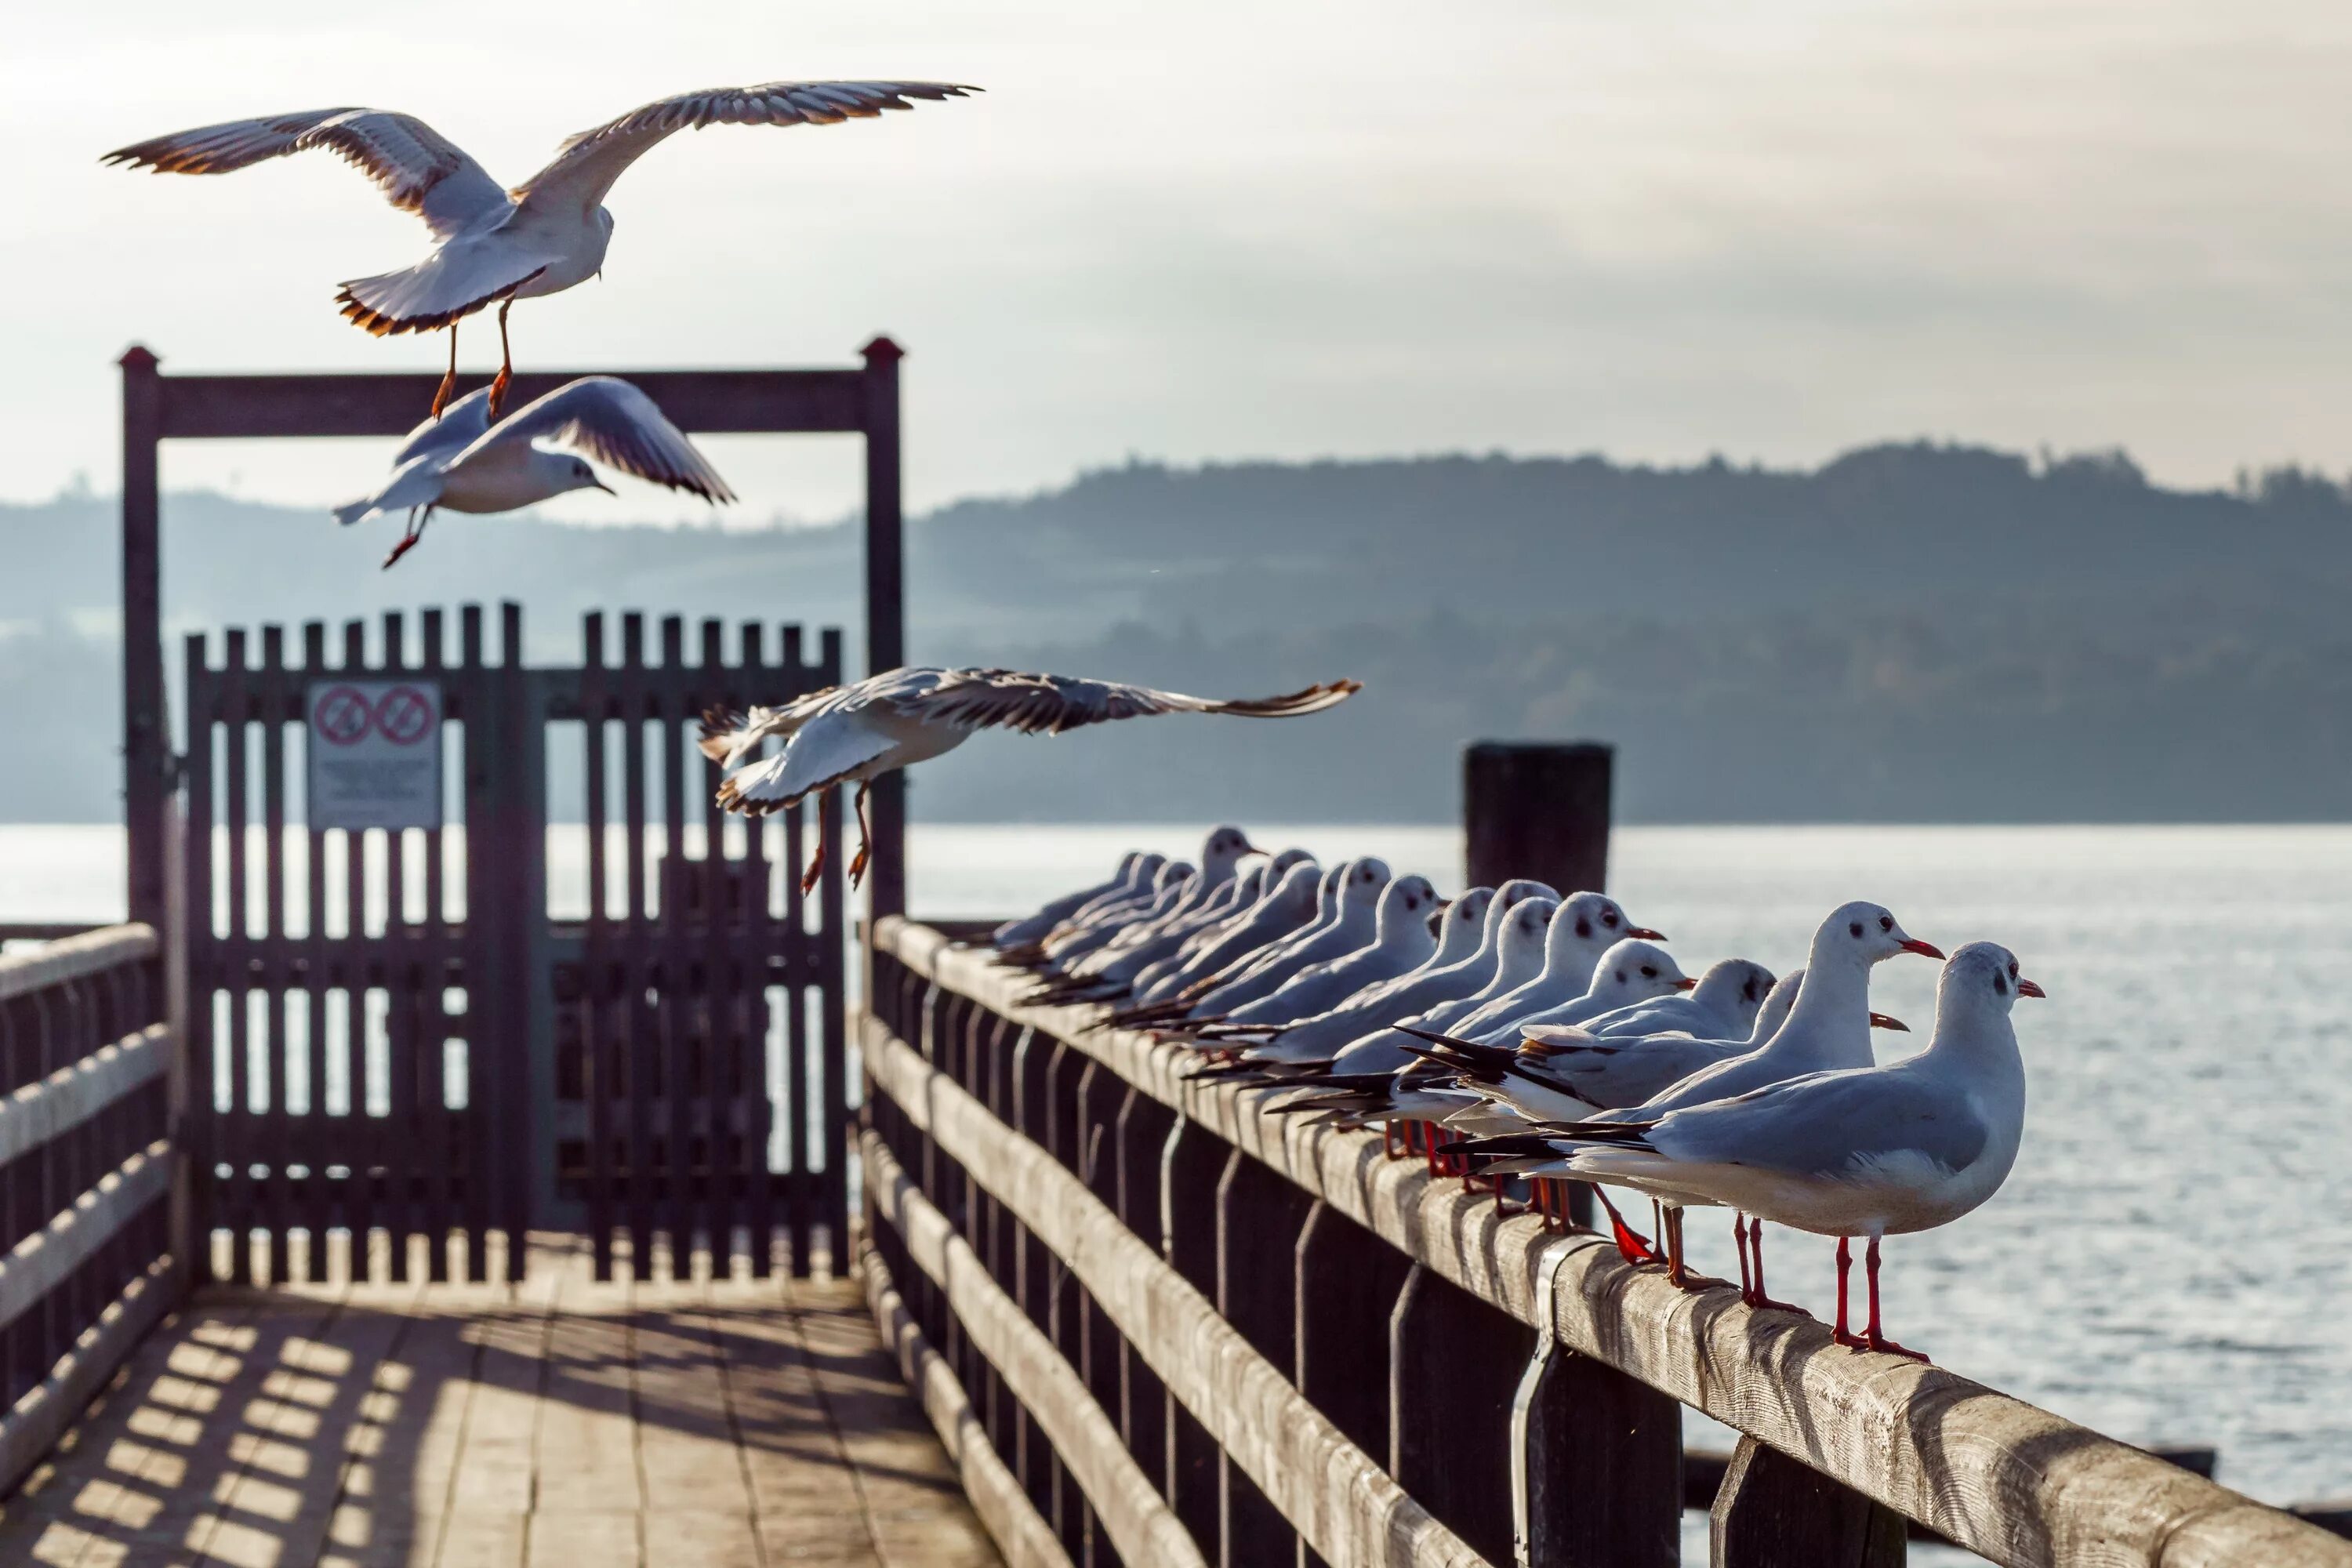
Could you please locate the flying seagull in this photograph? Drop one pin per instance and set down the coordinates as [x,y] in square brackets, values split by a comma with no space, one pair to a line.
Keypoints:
[492,243]
[459,461]
[859,732]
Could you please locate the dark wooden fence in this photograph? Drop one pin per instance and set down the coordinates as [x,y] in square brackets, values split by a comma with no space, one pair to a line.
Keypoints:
[398,1052]
[86,1175]
[666,1100]
[1159,1328]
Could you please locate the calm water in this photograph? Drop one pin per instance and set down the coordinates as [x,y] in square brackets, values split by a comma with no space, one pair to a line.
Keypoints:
[2170,1261]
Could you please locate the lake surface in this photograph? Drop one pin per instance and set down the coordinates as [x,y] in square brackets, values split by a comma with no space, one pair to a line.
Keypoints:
[2170,1261]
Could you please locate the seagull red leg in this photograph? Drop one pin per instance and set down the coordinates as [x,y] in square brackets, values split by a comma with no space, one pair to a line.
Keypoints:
[865,839]
[1630,1246]
[816,858]
[1679,1273]
[1841,1333]
[1758,1298]
[448,382]
[505,378]
[1875,1336]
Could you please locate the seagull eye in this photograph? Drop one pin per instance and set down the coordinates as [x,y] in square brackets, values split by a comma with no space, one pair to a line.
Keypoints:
[1886,923]
[1609,918]
[2012,969]
[1649,970]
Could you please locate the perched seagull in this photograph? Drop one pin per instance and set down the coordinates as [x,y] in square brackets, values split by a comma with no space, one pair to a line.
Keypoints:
[459,460]
[1583,928]
[1354,923]
[1828,1029]
[491,244]
[1866,1151]
[1402,940]
[1098,924]
[1162,979]
[875,726]
[1106,973]
[1285,908]
[1722,1002]
[1630,973]
[1054,912]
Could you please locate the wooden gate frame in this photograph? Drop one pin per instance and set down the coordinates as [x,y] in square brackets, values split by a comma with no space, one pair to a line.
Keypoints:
[158,407]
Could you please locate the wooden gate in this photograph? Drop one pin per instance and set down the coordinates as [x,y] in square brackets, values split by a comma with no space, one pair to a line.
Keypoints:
[407,1057]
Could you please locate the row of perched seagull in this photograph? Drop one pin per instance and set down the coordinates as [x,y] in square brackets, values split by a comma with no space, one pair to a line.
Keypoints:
[1527,1032]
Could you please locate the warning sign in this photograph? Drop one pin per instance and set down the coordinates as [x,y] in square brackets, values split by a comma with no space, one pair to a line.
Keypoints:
[375,754]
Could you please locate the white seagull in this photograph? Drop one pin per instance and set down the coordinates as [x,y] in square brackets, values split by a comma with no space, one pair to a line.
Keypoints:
[493,244]
[459,461]
[855,733]
[1867,1151]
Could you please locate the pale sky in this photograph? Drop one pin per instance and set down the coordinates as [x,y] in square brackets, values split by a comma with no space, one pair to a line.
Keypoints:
[1240,229]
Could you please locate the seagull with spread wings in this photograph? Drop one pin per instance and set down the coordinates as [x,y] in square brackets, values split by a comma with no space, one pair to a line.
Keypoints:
[492,245]
[855,733]
[459,461]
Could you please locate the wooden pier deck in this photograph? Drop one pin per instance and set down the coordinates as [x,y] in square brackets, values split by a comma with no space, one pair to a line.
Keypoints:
[558,1424]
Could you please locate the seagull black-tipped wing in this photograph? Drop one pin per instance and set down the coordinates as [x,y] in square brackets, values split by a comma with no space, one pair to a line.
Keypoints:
[417,169]
[611,421]
[1050,704]
[587,164]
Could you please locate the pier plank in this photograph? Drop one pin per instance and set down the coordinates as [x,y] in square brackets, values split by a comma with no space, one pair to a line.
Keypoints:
[472,1426]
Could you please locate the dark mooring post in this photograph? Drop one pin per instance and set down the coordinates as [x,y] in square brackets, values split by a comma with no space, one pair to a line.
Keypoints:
[1774,1512]
[1540,809]
[146,735]
[1537,809]
[885,610]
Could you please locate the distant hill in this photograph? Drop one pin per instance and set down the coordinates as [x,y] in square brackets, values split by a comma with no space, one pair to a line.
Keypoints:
[1914,632]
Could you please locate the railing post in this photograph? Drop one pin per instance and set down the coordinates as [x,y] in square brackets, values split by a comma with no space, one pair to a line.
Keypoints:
[1455,1364]
[1539,809]
[1349,1280]
[146,729]
[1189,1171]
[1774,1512]
[1600,1460]
[1259,1212]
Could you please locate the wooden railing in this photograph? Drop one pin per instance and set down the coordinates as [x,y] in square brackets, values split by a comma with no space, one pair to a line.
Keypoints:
[84,1175]
[1159,1328]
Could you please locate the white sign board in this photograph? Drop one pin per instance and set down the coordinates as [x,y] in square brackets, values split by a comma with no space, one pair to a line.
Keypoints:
[375,754]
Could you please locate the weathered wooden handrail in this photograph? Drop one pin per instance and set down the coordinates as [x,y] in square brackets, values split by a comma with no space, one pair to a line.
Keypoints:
[1148,1226]
[84,1175]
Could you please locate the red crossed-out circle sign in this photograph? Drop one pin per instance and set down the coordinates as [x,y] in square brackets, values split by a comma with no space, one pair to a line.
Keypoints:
[403,716]
[343,716]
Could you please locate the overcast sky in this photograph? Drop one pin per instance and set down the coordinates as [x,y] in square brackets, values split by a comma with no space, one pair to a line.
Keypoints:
[1261,227]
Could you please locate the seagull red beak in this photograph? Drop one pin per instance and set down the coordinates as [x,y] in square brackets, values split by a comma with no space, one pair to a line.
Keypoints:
[1646,933]
[1888,1021]
[2027,988]
[1924,949]
[1686,984]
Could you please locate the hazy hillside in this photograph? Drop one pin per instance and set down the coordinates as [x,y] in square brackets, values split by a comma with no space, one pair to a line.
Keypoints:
[1906,632]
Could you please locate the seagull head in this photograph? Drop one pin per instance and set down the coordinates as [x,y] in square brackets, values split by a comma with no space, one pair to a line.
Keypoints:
[1227,846]
[1365,879]
[1864,933]
[1980,978]
[1733,987]
[1524,930]
[1409,899]
[1583,927]
[562,471]
[1464,921]
[1637,971]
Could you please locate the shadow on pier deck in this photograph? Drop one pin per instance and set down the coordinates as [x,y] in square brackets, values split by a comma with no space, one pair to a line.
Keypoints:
[728,1424]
